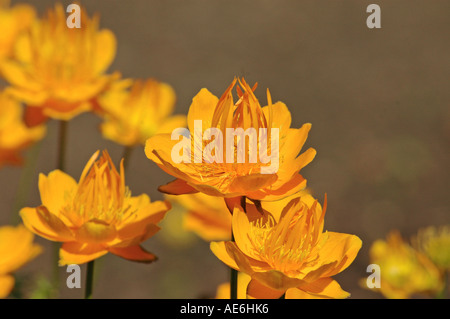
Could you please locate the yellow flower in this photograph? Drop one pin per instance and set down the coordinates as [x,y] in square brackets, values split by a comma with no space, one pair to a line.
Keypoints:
[286,250]
[95,216]
[207,216]
[15,136]
[13,21]
[227,177]
[60,70]
[435,243]
[16,249]
[132,116]
[404,270]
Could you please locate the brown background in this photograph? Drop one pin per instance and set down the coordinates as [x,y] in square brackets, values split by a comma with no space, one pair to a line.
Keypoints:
[378,101]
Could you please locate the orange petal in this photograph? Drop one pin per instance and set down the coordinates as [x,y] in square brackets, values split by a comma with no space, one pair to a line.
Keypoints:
[177,187]
[172,123]
[80,253]
[222,251]
[231,255]
[341,248]
[56,189]
[295,185]
[253,182]
[43,223]
[105,51]
[276,280]
[257,290]
[202,108]
[95,232]
[6,285]
[133,253]
[323,288]
[232,202]
[33,116]
[281,117]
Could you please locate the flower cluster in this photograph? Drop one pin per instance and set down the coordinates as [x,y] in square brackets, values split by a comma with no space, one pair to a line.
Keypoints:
[416,268]
[277,228]
[237,167]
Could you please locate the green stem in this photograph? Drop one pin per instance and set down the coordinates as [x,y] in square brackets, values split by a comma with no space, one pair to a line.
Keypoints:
[234,272]
[26,177]
[233,278]
[127,151]
[62,145]
[89,280]
[61,165]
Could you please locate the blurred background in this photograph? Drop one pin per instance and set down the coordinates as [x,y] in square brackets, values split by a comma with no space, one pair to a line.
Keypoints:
[378,101]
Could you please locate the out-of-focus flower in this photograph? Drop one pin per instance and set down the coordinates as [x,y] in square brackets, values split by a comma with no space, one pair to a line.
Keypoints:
[222,176]
[435,243]
[95,216]
[131,116]
[16,249]
[404,270]
[13,21]
[15,136]
[58,70]
[286,251]
[207,216]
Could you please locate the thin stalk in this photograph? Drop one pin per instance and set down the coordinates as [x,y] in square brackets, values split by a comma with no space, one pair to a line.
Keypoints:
[89,280]
[23,189]
[233,278]
[234,272]
[127,151]
[61,165]
[62,145]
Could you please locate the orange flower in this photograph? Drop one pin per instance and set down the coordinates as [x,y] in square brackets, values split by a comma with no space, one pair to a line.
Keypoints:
[16,249]
[95,216]
[132,116]
[286,251]
[13,21]
[60,70]
[14,135]
[226,176]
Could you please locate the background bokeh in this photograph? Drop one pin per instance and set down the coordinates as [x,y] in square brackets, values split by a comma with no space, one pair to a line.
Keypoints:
[378,101]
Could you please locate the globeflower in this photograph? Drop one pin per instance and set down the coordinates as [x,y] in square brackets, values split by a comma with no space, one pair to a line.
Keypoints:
[226,152]
[131,116]
[13,21]
[404,270]
[15,136]
[95,216]
[286,251]
[59,71]
[16,249]
[435,243]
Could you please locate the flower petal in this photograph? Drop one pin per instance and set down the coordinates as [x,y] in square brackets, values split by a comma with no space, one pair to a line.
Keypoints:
[133,253]
[342,248]
[79,253]
[324,288]
[6,285]
[257,290]
[202,108]
[177,187]
[56,189]
[43,223]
